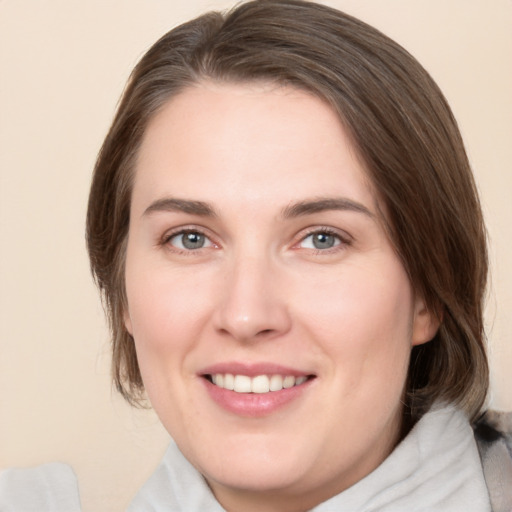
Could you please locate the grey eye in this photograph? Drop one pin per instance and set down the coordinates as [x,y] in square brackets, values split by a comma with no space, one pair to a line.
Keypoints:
[323,240]
[320,240]
[190,240]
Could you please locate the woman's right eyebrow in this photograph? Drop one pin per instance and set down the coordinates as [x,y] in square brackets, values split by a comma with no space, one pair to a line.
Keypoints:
[172,204]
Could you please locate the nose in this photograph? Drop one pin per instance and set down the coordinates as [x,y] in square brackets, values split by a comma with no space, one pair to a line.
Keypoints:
[252,303]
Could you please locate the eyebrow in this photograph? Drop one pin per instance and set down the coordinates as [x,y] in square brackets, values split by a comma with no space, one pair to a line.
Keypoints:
[171,204]
[298,209]
[325,204]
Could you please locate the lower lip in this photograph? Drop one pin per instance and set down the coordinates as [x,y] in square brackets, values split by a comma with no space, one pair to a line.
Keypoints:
[254,405]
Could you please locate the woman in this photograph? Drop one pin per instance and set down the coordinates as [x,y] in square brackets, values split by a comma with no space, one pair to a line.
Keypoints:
[286,231]
[288,238]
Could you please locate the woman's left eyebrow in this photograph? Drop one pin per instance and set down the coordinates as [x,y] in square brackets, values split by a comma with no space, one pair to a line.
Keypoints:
[317,205]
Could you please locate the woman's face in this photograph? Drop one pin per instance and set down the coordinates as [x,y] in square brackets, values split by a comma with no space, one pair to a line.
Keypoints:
[257,261]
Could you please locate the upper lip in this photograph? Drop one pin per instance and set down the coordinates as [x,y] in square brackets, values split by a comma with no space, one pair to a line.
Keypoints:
[252,369]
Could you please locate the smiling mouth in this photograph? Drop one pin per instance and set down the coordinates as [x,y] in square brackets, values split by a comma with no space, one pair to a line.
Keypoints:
[259,384]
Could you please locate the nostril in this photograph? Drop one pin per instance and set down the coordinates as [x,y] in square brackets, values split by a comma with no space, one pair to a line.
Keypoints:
[265,332]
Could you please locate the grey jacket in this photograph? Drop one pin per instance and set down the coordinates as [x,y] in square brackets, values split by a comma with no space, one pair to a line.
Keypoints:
[493,433]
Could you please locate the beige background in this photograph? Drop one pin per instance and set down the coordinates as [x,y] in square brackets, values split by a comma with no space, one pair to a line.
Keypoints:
[63,64]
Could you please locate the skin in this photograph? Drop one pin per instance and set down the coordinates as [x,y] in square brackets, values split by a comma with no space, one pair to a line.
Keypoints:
[258,290]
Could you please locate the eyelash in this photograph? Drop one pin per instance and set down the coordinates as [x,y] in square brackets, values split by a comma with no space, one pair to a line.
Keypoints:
[342,241]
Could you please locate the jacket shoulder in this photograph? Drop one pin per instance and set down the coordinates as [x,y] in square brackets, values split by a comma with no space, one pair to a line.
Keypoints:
[493,435]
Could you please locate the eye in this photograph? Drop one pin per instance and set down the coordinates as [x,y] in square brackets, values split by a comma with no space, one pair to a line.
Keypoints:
[189,240]
[320,240]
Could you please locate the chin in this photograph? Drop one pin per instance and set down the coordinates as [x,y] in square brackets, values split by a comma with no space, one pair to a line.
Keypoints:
[253,463]
[257,476]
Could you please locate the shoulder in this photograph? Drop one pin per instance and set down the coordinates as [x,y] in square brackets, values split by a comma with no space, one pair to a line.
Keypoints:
[493,434]
[46,488]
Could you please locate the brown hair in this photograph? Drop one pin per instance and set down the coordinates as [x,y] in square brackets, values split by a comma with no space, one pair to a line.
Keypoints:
[401,126]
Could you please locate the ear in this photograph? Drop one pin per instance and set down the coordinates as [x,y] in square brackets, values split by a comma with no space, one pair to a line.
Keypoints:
[127,321]
[425,323]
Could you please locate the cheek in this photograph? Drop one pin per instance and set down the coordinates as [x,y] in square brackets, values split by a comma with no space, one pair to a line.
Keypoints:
[166,314]
[166,321]
[363,321]
[164,305]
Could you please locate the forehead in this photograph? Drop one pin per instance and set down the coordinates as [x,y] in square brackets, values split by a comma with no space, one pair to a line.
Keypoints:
[250,139]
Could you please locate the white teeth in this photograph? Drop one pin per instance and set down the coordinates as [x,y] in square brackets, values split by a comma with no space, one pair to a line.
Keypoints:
[276,383]
[242,384]
[229,381]
[288,382]
[259,384]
